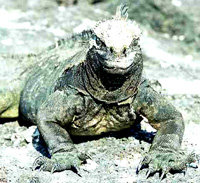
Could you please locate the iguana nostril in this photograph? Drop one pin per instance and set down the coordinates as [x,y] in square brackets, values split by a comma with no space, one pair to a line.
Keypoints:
[111,50]
[124,51]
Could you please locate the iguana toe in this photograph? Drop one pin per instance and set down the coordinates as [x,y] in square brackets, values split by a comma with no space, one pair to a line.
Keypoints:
[165,162]
[59,162]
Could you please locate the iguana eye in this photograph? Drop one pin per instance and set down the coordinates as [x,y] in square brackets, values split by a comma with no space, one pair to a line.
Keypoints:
[94,37]
[135,42]
[98,41]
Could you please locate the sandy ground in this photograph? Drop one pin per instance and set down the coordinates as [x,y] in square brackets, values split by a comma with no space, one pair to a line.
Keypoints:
[114,159]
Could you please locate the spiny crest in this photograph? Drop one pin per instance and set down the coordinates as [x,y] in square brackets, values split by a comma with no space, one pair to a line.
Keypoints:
[121,12]
[118,32]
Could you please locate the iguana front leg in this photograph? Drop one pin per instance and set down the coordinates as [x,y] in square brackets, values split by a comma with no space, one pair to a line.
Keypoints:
[53,118]
[164,154]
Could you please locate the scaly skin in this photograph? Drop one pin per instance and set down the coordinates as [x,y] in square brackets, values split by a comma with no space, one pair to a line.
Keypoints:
[93,85]
[16,69]
[164,154]
[14,72]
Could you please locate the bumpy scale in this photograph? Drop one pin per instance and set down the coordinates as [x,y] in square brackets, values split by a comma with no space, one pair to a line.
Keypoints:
[92,83]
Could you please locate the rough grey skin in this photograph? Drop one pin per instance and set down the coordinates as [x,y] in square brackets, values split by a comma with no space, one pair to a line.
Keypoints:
[92,84]
[14,72]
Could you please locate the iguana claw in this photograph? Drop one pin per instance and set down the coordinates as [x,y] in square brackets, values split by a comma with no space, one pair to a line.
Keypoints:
[148,173]
[39,161]
[59,162]
[164,162]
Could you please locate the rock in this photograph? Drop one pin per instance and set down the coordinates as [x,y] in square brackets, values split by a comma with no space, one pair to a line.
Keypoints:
[27,178]
[3,177]
[27,134]
[122,163]
[193,165]
[162,16]
[90,165]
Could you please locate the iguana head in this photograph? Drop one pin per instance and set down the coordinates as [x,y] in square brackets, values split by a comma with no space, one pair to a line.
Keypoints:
[114,44]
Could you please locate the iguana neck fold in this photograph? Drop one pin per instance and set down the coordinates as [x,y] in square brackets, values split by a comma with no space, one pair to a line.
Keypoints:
[120,88]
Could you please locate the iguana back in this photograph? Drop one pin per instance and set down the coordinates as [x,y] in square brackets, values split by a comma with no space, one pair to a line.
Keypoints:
[43,69]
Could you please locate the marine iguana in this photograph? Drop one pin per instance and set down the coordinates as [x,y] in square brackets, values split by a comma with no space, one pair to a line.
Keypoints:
[91,84]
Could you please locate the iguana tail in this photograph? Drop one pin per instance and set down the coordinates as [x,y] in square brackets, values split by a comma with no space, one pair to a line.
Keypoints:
[9,104]
[14,69]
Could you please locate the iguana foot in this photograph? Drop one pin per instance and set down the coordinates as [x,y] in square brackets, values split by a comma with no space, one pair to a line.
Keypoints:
[60,162]
[165,161]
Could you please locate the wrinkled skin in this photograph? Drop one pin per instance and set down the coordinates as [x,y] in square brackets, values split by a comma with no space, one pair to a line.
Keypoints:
[99,89]
[164,154]
[86,100]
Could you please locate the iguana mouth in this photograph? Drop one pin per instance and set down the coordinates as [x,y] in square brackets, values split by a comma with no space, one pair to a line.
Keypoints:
[119,65]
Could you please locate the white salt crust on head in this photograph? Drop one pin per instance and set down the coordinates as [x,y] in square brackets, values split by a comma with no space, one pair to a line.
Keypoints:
[117,33]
